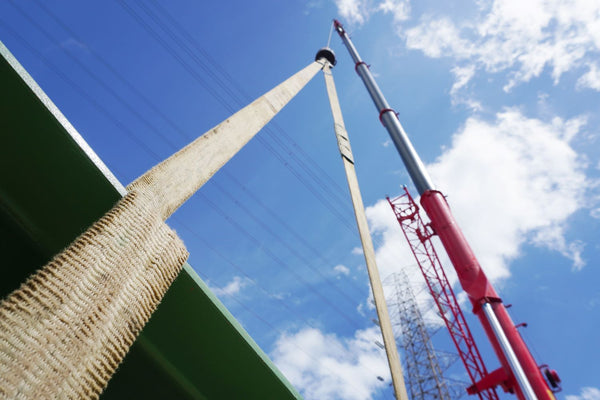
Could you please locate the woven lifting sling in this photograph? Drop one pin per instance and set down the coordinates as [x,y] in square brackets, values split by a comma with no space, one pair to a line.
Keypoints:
[64,332]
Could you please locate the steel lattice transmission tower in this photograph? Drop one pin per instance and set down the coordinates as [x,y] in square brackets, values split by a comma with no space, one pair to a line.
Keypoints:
[424,373]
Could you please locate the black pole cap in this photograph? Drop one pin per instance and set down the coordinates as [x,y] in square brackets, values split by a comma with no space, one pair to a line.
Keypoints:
[327,54]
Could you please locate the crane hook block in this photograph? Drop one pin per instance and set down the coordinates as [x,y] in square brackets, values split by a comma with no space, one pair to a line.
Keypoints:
[327,54]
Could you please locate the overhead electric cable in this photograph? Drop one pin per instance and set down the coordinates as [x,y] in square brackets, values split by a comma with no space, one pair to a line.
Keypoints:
[124,81]
[87,97]
[114,71]
[289,228]
[154,155]
[227,106]
[308,263]
[335,196]
[338,198]
[277,259]
[81,92]
[220,69]
[100,82]
[306,166]
[173,146]
[253,281]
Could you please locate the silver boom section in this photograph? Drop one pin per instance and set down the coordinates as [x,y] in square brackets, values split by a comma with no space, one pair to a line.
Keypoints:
[389,119]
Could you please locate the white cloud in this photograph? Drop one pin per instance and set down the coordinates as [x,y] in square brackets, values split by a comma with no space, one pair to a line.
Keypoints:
[400,9]
[353,11]
[511,182]
[361,309]
[587,393]
[553,238]
[522,37]
[232,288]
[357,251]
[437,38]
[325,366]
[462,77]
[359,11]
[312,5]
[341,269]
[591,79]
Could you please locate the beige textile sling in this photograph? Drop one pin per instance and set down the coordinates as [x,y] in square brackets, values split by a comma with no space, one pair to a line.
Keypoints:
[365,237]
[66,329]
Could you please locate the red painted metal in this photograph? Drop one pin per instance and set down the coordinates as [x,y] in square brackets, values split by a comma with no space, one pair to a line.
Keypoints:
[471,276]
[383,112]
[359,63]
[489,381]
[552,377]
[418,234]
[475,283]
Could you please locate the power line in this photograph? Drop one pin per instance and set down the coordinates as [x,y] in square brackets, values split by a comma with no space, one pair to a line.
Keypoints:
[276,259]
[245,97]
[286,226]
[120,125]
[139,116]
[99,81]
[278,238]
[290,154]
[155,109]
[81,92]
[338,200]
[173,146]
[115,72]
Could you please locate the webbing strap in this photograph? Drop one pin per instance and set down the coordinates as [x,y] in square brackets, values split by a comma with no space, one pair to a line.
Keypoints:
[174,180]
[67,328]
[338,122]
[365,238]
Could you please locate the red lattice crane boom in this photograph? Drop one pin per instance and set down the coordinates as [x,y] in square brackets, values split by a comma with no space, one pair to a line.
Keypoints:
[418,235]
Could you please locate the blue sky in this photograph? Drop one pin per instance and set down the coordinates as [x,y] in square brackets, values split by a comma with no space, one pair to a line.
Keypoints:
[501,100]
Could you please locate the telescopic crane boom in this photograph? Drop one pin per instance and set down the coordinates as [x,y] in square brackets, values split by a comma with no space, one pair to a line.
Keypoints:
[519,372]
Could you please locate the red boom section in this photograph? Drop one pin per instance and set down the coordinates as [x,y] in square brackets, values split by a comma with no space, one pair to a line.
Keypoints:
[475,283]
[418,234]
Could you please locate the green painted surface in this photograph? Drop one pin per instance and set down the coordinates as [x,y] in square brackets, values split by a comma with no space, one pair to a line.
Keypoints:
[50,191]
[52,187]
[214,356]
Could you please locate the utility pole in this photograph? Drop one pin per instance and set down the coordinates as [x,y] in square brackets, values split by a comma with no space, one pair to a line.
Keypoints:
[363,228]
